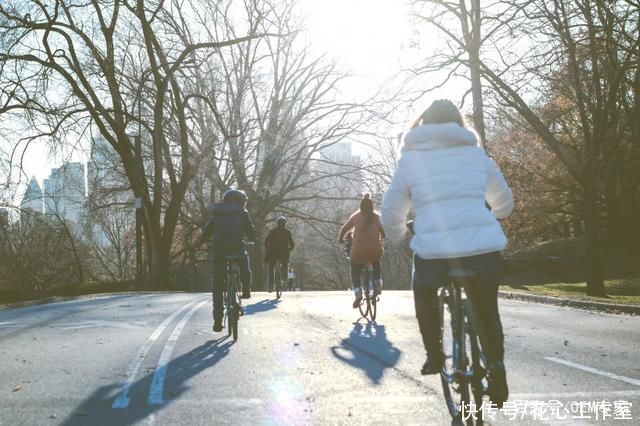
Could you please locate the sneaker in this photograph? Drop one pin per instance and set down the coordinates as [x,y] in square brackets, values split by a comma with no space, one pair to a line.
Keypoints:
[498,390]
[217,326]
[357,301]
[377,288]
[433,365]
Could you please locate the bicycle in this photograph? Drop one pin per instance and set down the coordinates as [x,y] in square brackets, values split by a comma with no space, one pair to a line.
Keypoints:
[369,304]
[231,295]
[464,370]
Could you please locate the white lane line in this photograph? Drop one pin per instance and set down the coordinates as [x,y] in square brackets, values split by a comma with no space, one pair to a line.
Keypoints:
[122,401]
[571,395]
[157,384]
[8,324]
[594,371]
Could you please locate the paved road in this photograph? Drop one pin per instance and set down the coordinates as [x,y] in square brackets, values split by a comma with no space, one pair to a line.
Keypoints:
[153,359]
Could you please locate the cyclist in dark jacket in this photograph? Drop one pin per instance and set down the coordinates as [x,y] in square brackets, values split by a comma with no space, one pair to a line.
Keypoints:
[227,229]
[278,245]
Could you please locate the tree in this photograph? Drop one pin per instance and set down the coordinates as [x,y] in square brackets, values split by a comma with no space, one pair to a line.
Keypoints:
[277,111]
[578,58]
[121,68]
[586,62]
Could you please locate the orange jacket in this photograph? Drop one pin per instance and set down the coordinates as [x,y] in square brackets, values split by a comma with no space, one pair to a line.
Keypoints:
[367,240]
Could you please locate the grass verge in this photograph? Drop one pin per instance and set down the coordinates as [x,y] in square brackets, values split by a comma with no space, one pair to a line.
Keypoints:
[624,291]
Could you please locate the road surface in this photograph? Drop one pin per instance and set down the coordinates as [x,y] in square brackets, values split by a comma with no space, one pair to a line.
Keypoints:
[152,359]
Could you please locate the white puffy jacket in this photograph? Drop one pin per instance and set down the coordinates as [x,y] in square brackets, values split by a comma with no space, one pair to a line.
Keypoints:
[447,177]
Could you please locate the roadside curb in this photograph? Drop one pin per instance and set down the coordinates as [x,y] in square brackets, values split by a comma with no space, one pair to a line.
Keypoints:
[581,304]
[55,299]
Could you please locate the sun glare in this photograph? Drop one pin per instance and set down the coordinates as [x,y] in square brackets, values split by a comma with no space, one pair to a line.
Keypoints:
[365,36]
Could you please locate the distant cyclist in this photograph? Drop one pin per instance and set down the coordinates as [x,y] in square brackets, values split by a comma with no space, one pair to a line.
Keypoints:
[447,178]
[228,227]
[278,246]
[290,278]
[366,245]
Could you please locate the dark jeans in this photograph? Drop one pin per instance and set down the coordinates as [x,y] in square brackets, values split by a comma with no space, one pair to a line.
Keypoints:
[430,274]
[356,271]
[220,281]
[284,270]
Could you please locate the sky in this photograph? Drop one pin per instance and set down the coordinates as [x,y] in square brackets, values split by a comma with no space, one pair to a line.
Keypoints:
[368,37]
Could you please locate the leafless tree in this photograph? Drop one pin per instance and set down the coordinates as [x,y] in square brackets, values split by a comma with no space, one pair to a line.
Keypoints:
[569,70]
[118,67]
[277,112]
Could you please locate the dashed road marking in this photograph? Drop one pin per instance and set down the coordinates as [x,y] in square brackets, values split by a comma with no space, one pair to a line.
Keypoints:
[157,383]
[594,371]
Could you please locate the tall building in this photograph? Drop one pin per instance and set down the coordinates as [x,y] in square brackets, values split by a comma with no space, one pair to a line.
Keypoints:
[32,199]
[104,170]
[64,192]
[340,162]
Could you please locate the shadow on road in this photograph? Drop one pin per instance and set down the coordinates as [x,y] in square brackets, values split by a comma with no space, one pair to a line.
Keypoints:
[261,306]
[96,409]
[368,349]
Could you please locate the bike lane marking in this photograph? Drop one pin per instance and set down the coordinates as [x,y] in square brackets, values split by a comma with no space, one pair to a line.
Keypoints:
[157,384]
[122,401]
[594,370]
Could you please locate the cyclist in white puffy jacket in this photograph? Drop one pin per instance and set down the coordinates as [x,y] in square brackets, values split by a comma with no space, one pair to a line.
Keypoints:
[447,177]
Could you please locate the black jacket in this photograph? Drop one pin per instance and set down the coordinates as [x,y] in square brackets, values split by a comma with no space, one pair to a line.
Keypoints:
[278,244]
[229,225]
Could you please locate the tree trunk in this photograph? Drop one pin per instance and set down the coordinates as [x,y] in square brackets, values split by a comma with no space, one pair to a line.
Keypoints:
[595,282]
[257,258]
[473,44]
[159,267]
[614,220]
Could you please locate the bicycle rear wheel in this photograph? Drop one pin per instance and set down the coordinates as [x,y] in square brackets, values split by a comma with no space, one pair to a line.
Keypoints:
[229,313]
[277,280]
[373,306]
[233,308]
[455,374]
[364,305]
[234,327]
[479,363]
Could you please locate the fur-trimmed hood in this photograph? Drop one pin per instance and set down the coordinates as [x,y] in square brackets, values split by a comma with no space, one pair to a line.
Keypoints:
[437,136]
